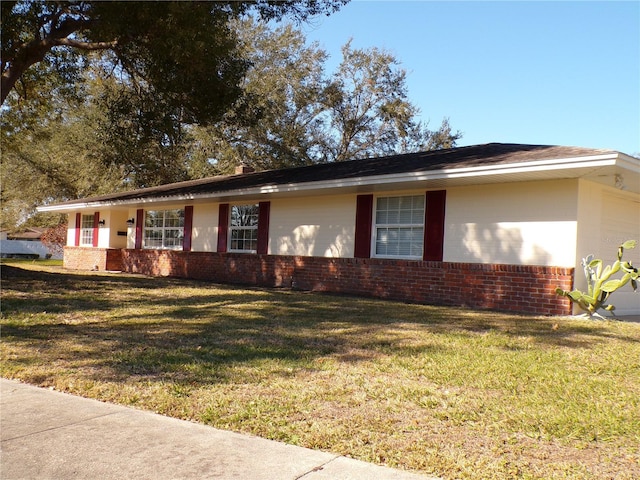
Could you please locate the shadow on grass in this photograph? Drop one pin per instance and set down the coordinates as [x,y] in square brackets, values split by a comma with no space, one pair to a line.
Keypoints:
[120,326]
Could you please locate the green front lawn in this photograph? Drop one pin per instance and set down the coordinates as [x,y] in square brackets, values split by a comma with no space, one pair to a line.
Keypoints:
[444,391]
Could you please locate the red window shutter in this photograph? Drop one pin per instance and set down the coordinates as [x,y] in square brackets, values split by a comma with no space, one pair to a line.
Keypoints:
[364,217]
[78,226]
[188,226]
[96,228]
[139,227]
[223,227]
[434,225]
[263,227]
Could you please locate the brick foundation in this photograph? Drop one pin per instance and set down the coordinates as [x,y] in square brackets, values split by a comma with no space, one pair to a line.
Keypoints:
[87,258]
[516,288]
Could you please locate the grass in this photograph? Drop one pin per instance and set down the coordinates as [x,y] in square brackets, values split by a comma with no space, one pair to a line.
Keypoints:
[444,391]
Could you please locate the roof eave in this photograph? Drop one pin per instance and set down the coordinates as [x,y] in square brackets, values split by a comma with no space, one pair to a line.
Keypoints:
[451,175]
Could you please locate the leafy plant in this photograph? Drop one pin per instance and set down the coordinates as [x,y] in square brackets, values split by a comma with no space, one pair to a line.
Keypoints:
[600,282]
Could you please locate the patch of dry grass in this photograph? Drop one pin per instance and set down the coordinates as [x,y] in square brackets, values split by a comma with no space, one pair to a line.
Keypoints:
[444,391]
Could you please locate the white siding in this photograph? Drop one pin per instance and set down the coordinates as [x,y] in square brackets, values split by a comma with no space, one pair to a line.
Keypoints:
[115,220]
[71,229]
[131,229]
[205,228]
[313,226]
[528,223]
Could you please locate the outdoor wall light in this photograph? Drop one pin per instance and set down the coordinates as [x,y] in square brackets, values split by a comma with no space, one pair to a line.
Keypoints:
[131,221]
[102,223]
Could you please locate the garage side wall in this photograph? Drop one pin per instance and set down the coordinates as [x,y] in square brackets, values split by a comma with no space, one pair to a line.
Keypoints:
[607,218]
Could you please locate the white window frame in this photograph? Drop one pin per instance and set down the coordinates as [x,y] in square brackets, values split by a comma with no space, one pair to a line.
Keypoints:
[171,236]
[240,231]
[86,229]
[416,224]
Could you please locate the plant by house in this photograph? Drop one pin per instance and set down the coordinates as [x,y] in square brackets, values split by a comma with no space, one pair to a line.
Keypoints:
[600,282]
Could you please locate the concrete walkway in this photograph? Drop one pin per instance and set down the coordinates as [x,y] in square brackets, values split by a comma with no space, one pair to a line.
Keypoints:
[52,435]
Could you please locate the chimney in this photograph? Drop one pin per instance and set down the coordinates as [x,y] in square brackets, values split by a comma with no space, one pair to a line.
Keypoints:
[244,168]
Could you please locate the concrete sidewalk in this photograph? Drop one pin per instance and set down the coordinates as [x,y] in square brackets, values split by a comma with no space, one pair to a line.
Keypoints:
[52,435]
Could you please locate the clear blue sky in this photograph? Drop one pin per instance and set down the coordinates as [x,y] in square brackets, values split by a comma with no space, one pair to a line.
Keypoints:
[539,72]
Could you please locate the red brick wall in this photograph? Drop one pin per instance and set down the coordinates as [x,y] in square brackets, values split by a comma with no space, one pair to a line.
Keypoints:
[517,288]
[86,258]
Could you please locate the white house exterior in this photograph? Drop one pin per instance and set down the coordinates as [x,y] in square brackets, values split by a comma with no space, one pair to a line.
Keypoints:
[488,208]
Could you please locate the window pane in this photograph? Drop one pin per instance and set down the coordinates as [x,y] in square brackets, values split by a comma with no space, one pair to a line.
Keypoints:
[244,215]
[173,238]
[174,218]
[86,230]
[153,218]
[153,238]
[400,226]
[405,216]
[164,228]
[244,239]
[393,217]
[86,237]
[404,203]
[87,221]
[243,226]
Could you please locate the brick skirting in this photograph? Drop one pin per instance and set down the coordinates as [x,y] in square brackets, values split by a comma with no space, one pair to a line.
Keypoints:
[516,288]
[88,258]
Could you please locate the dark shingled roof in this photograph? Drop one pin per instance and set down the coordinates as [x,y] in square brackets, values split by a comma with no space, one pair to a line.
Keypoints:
[460,157]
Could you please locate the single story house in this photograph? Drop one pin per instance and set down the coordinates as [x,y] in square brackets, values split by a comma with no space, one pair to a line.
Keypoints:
[494,226]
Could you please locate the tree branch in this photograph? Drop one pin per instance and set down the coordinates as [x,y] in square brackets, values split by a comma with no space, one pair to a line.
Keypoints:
[30,53]
[68,42]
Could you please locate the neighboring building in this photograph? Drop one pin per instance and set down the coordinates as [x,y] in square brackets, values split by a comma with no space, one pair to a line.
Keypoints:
[495,226]
[30,234]
[24,244]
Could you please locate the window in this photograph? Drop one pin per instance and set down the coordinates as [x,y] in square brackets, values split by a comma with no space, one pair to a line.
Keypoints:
[399,227]
[164,229]
[86,230]
[243,228]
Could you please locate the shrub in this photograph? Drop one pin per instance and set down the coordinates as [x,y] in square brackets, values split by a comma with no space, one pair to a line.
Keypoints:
[600,282]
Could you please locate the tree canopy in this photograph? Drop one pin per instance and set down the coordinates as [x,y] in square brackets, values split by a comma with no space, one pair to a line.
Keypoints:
[306,115]
[184,52]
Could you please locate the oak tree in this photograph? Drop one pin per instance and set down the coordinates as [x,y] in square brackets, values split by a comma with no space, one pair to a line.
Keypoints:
[305,116]
[184,51]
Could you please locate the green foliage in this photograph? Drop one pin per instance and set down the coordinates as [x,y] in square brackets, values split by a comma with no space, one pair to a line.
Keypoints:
[184,52]
[600,282]
[294,114]
[52,154]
